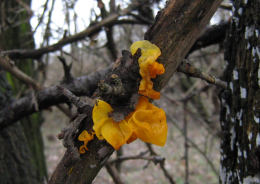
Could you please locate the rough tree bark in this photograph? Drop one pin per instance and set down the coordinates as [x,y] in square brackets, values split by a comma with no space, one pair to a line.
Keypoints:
[21,150]
[240,104]
[175,30]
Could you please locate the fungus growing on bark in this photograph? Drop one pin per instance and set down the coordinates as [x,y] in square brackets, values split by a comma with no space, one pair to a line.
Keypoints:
[115,133]
[85,137]
[147,122]
[149,67]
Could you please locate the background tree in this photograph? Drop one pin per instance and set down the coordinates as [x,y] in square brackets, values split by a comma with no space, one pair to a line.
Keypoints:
[239,118]
[21,144]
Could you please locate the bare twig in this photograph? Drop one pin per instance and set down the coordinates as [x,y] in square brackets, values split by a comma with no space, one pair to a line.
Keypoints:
[119,153]
[186,146]
[7,64]
[66,68]
[72,98]
[110,20]
[42,15]
[194,145]
[46,36]
[165,172]
[194,93]
[188,69]
[111,46]
[140,156]
[112,171]
[65,110]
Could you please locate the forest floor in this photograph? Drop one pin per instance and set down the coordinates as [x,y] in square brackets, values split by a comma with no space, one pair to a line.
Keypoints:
[140,171]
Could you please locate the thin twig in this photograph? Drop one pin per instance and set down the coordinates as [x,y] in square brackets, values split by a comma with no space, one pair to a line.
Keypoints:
[186,146]
[7,64]
[112,171]
[46,36]
[110,20]
[154,158]
[194,145]
[65,110]
[119,153]
[42,15]
[204,122]
[111,46]
[165,172]
[188,69]
[72,98]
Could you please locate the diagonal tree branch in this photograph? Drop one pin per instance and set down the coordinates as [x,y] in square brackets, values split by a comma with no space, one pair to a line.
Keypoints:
[190,70]
[9,66]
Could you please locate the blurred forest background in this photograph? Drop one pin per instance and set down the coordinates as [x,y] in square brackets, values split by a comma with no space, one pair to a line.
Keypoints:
[191,154]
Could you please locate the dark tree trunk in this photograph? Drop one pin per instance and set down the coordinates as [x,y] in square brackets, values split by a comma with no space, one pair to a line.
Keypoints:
[16,159]
[240,104]
[21,151]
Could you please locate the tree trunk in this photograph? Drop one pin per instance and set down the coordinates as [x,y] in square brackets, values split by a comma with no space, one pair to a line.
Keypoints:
[240,103]
[16,159]
[22,159]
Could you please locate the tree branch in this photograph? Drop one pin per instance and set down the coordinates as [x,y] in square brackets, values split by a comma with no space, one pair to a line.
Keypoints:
[194,145]
[114,174]
[110,20]
[9,65]
[82,86]
[165,172]
[213,35]
[190,70]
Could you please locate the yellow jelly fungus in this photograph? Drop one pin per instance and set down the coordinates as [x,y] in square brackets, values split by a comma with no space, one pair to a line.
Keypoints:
[149,67]
[147,123]
[85,137]
[115,133]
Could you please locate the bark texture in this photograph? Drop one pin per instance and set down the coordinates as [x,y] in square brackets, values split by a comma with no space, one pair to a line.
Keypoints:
[22,159]
[240,104]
